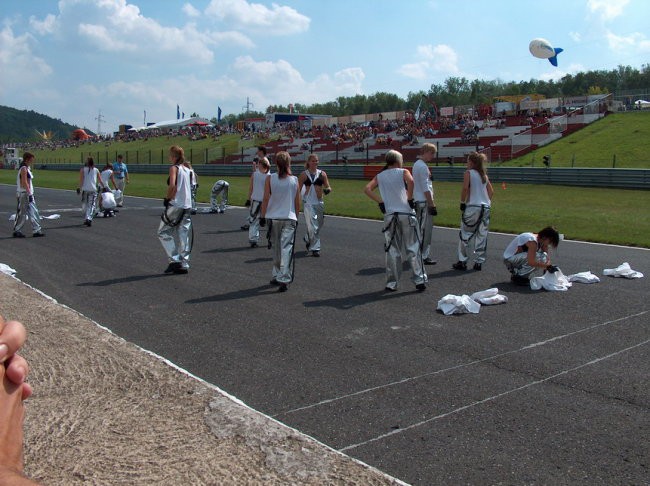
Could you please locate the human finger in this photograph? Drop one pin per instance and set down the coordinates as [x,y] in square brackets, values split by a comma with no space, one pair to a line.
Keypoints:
[12,337]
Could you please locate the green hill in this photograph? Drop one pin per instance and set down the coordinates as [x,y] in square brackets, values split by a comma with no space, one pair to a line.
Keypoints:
[22,125]
[618,140]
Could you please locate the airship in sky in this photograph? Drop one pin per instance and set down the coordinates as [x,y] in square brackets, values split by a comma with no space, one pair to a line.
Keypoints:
[544,50]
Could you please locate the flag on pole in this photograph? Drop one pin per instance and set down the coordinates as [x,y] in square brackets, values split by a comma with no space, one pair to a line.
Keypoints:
[417,112]
[178,112]
[218,114]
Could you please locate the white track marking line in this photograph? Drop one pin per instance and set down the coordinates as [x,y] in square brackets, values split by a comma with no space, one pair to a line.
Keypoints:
[459,366]
[494,397]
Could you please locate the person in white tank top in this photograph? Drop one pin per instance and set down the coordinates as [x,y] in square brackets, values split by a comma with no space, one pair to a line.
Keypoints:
[255,198]
[89,181]
[26,207]
[313,184]
[175,230]
[425,205]
[475,203]
[280,206]
[401,230]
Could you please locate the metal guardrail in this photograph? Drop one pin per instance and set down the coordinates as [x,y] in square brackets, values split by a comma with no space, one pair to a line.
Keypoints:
[616,178]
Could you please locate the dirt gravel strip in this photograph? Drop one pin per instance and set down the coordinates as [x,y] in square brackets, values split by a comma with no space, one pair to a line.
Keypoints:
[105,411]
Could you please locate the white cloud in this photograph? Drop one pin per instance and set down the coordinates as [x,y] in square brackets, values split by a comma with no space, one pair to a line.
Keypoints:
[635,42]
[431,60]
[277,20]
[21,69]
[191,11]
[115,26]
[45,26]
[607,9]
[576,36]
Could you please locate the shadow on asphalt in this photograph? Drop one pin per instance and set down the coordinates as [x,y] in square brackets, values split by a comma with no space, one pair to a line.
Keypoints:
[352,301]
[133,278]
[238,294]
[223,232]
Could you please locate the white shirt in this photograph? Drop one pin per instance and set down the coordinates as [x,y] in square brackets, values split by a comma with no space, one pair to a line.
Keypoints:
[283,198]
[183,198]
[310,196]
[520,240]
[106,177]
[422,181]
[259,180]
[478,195]
[90,179]
[30,187]
[393,191]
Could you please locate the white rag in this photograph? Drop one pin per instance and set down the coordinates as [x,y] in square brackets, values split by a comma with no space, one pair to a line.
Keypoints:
[51,216]
[108,200]
[623,270]
[555,282]
[489,297]
[458,304]
[6,269]
[584,277]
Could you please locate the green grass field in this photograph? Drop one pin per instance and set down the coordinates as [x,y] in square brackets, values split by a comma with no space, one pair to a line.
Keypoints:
[624,137]
[601,215]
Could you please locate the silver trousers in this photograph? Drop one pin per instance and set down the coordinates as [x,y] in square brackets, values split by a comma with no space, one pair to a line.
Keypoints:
[283,239]
[314,219]
[24,210]
[219,191]
[120,184]
[254,222]
[402,236]
[518,264]
[474,225]
[89,204]
[176,236]
[425,222]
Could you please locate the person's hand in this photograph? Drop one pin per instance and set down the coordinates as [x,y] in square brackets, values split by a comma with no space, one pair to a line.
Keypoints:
[78,190]
[411,203]
[551,269]
[433,211]
[262,222]
[463,206]
[31,198]
[14,390]
[166,203]
[12,337]
[382,208]
[327,190]
[247,204]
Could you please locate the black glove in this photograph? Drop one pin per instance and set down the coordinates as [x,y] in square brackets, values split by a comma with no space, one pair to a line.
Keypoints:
[166,202]
[247,204]
[78,191]
[327,190]
[197,186]
[411,203]
[31,198]
[552,269]
[463,206]
[433,211]
[262,222]
[382,208]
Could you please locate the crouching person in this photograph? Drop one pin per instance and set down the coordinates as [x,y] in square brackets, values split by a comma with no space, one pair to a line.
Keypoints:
[527,255]
[175,230]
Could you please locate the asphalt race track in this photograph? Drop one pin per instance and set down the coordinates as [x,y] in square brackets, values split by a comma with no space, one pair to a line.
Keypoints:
[550,388]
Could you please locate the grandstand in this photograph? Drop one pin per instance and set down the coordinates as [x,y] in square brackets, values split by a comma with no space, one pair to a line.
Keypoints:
[366,140]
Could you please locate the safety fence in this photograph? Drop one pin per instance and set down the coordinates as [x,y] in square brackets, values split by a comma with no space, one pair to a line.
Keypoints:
[614,178]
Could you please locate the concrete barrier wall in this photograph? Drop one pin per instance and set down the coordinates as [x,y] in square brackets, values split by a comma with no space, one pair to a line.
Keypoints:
[619,178]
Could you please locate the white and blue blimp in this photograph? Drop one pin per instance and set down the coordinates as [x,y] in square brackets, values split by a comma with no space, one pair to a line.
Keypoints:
[544,50]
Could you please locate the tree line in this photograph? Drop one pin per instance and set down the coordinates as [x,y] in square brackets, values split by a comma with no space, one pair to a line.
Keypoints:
[458,91]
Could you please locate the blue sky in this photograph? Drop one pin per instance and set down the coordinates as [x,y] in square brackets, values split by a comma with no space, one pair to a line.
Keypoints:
[71,58]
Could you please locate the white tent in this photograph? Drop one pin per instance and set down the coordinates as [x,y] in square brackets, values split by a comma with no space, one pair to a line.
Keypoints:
[181,122]
[641,104]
